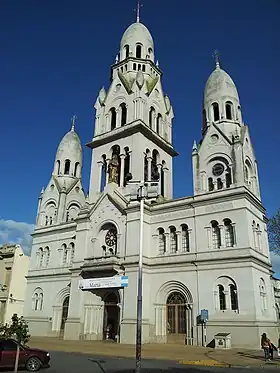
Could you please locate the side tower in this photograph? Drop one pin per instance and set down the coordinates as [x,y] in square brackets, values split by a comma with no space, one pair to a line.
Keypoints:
[63,198]
[133,125]
[224,158]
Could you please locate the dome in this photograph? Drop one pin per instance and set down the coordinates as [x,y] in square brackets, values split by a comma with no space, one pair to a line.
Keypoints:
[220,84]
[137,33]
[68,160]
[70,147]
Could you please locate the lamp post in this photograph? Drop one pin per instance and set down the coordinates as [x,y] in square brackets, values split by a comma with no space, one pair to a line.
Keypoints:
[148,189]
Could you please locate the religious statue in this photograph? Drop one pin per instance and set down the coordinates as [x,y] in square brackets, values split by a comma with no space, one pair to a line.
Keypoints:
[114,169]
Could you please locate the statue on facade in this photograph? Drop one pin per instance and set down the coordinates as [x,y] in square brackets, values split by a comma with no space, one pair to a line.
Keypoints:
[114,169]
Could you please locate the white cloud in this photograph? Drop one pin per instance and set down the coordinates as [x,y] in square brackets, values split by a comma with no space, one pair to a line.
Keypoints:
[275,260]
[14,232]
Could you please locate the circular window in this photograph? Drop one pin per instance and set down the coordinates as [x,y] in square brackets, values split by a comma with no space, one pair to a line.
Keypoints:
[218,169]
[111,238]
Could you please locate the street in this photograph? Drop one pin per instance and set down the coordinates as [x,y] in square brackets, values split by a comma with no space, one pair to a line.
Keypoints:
[63,362]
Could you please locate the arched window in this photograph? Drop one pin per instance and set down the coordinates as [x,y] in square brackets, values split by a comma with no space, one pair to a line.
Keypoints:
[40,257]
[161,241]
[126,51]
[158,124]
[146,168]
[233,297]
[113,118]
[123,114]
[216,111]
[176,313]
[263,295]
[126,164]
[185,238]
[151,116]
[134,66]
[65,308]
[154,170]
[77,169]
[47,254]
[210,184]
[220,183]
[67,167]
[143,68]
[71,252]
[228,178]
[150,51]
[103,173]
[222,297]
[204,120]
[173,240]
[72,212]
[229,233]
[117,159]
[37,299]
[229,110]
[109,235]
[58,167]
[216,235]
[64,254]
[138,51]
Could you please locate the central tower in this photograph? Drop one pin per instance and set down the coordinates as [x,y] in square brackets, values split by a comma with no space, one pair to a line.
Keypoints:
[133,123]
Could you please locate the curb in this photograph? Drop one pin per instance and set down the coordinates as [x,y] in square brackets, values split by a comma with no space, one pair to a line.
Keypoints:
[205,363]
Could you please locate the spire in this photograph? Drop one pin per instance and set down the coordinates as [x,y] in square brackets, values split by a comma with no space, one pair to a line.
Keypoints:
[73,121]
[216,55]
[138,11]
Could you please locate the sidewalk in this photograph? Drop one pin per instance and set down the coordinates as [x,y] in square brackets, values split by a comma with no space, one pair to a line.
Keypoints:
[189,355]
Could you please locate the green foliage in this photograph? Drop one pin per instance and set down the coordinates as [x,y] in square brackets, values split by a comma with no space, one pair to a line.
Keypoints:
[273,228]
[17,329]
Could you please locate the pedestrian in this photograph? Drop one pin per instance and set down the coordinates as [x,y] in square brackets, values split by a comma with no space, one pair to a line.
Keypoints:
[265,346]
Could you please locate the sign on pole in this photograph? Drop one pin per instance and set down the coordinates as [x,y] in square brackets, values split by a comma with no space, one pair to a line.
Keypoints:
[104,282]
[204,315]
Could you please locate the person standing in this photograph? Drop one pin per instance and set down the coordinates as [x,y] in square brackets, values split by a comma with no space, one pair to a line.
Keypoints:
[265,343]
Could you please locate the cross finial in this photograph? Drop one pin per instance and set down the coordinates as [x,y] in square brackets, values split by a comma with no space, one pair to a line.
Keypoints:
[138,11]
[216,55]
[73,121]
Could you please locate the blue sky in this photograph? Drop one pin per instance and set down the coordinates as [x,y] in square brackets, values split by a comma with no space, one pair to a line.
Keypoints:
[56,55]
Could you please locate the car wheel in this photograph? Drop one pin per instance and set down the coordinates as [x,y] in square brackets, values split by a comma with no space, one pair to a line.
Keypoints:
[33,364]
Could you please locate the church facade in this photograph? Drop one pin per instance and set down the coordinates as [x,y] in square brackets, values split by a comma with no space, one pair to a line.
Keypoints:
[208,251]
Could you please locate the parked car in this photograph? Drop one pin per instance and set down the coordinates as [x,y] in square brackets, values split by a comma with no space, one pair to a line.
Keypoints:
[32,359]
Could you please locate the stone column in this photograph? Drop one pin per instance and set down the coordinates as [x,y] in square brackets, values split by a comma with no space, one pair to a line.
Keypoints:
[165,180]
[259,240]
[118,244]
[118,117]
[155,245]
[107,169]
[209,236]
[215,184]
[107,121]
[122,156]
[234,235]
[167,242]
[99,177]
[216,298]
[179,241]
[255,242]
[222,234]
[159,166]
[149,160]
[191,240]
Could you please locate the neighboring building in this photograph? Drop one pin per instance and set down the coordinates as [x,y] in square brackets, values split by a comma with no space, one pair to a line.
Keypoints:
[13,271]
[208,251]
[276,288]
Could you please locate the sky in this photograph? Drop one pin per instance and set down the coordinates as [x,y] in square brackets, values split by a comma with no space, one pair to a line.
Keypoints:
[56,55]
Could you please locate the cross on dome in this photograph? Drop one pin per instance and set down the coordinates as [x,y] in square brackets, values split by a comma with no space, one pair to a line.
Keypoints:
[216,55]
[137,10]
[73,121]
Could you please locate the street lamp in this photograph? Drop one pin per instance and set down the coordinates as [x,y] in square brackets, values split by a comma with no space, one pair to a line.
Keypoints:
[140,191]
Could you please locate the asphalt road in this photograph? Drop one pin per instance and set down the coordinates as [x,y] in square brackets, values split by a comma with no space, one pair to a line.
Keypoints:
[62,362]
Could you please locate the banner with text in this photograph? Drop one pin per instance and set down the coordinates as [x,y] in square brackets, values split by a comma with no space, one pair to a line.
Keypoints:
[103,282]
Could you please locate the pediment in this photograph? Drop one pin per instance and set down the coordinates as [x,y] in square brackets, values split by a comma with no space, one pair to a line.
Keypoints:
[214,140]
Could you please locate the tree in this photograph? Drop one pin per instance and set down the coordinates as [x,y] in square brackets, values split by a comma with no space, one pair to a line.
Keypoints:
[273,229]
[18,329]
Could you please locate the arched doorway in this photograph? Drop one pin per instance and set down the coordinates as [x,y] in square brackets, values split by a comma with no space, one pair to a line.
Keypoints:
[65,307]
[111,317]
[176,318]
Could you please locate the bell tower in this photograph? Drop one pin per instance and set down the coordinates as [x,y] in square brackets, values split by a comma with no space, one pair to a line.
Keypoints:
[133,121]
[224,158]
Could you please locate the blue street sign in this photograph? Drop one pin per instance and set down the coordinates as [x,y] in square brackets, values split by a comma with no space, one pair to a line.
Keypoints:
[204,315]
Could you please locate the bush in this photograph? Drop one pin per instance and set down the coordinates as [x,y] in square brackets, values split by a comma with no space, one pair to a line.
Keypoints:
[17,329]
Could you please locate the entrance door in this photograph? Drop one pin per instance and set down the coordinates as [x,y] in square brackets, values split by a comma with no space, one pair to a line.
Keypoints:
[111,316]
[176,318]
[65,307]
